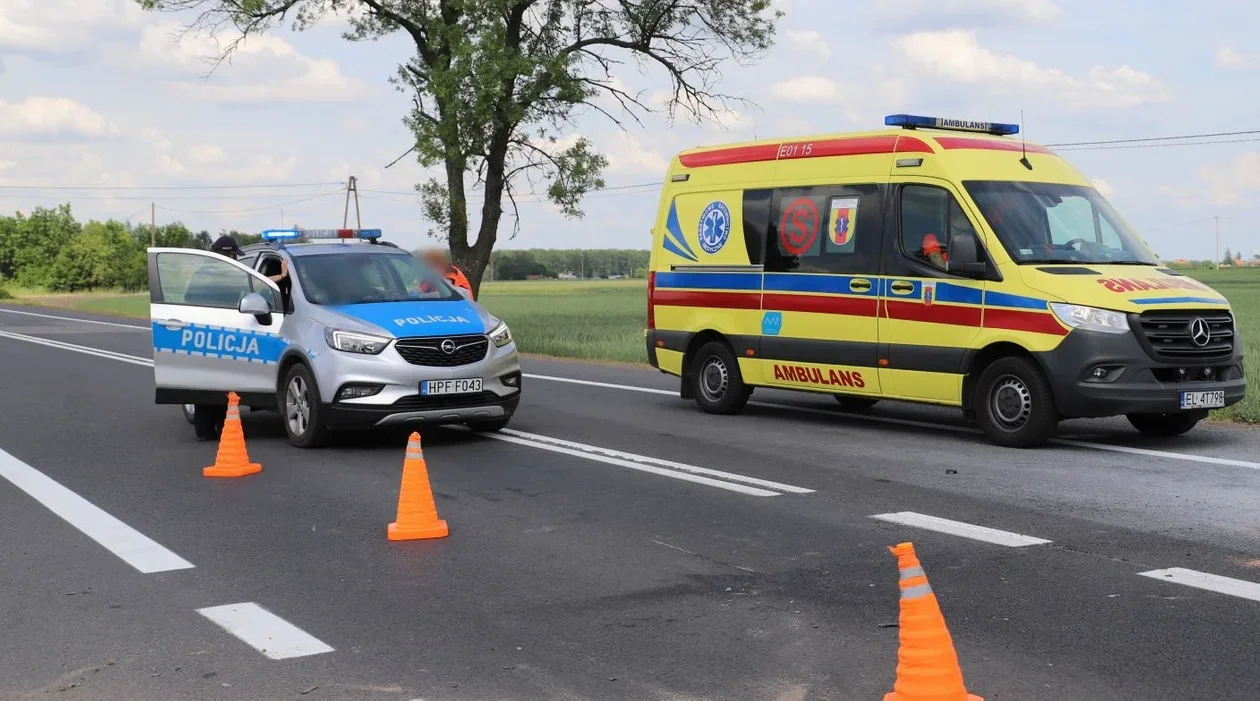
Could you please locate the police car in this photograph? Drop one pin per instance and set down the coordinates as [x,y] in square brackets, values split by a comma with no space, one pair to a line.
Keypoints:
[360,334]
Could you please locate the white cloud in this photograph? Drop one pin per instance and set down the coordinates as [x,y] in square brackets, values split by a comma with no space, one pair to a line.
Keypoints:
[628,156]
[957,55]
[1229,57]
[962,13]
[52,116]
[63,26]
[264,68]
[205,154]
[1103,187]
[211,163]
[1228,184]
[807,90]
[807,40]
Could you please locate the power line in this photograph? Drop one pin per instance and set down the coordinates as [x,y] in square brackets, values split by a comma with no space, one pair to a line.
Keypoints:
[1158,145]
[520,194]
[253,209]
[151,198]
[167,187]
[1251,132]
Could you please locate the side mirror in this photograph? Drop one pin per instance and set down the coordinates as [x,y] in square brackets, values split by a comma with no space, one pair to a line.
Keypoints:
[964,256]
[257,306]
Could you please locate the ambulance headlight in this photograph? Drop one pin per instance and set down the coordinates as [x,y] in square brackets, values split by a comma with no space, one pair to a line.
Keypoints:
[1091,319]
[355,342]
[501,335]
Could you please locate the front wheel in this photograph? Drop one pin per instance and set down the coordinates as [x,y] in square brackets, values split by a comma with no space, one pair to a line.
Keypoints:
[1014,403]
[301,409]
[1165,424]
[717,384]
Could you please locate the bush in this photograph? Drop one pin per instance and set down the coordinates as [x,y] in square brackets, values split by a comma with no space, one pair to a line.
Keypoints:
[4,294]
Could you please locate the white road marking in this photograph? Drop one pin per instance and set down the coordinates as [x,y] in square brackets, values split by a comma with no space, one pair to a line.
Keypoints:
[132,546]
[1167,455]
[633,465]
[110,355]
[1211,582]
[265,631]
[963,530]
[668,464]
[133,327]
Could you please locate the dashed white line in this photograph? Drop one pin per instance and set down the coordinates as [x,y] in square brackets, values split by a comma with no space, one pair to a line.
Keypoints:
[265,631]
[132,546]
[133,327]
[1210,582]
[960,529]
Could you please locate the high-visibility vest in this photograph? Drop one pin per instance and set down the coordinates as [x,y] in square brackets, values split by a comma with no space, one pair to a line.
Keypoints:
[456,277]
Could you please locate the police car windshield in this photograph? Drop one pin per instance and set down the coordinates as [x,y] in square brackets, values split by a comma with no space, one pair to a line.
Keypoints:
[1051,223]
[364,278]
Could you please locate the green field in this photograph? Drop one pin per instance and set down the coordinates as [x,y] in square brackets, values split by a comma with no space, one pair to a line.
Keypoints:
[604,320]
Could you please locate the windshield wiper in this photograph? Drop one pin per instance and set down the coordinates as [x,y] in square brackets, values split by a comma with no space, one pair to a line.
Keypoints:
[1126,262]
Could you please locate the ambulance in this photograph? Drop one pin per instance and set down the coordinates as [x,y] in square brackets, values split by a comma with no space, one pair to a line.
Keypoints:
[940,261]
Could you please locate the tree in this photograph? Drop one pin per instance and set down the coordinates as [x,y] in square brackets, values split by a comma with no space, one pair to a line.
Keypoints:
[495,83]
[1229,257]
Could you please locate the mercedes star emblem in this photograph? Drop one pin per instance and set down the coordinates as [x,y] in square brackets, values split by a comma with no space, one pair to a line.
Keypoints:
[1199,332]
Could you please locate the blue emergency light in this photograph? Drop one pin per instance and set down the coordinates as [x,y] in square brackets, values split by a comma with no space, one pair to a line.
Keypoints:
[911,121]
[314,234]
[280,234]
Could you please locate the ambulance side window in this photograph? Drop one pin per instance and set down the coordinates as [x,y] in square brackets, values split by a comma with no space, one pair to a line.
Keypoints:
[930,218]
[756,222]
[825,229]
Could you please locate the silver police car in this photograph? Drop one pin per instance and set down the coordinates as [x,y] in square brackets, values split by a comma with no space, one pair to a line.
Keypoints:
[359,334]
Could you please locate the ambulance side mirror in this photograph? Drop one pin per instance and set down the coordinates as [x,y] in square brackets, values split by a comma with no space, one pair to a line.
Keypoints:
[964,256]
[256,305]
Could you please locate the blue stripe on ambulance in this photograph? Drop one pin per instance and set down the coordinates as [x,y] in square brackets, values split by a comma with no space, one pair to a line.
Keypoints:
[680,245]
[219,342]
[1180,300]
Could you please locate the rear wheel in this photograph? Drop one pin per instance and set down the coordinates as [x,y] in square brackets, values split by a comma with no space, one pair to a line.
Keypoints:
[207,420]
[301,409]
[1014,403]
[717,384]
[1165,424]
[848,403]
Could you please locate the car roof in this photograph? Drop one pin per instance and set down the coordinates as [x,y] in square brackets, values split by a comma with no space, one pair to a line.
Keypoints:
[338,248]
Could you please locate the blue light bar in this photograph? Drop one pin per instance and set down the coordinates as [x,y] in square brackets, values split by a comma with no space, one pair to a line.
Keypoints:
[280,234]
[911,121]
[315,234]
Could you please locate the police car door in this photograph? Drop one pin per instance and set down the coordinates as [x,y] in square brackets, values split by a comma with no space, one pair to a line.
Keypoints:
[216,327]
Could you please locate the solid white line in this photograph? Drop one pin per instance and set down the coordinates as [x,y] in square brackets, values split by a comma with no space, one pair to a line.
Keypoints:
[669,464]
[684,476]
[265,631]
[133,327]
[124,541]
[1167,455]
[100,353]
[963,530]
[1211,582]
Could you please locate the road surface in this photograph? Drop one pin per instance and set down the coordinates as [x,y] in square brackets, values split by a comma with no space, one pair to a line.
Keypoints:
[615,543]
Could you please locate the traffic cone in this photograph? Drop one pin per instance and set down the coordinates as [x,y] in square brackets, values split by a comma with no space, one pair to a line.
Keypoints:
[417,514]
[927,666]
[232,459]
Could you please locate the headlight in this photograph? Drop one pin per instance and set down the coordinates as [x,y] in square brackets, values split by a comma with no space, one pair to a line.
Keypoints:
[355,342]
[1091,319]
[501,335]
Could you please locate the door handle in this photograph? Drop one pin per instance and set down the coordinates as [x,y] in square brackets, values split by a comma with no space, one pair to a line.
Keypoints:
[173,324]
[902,287]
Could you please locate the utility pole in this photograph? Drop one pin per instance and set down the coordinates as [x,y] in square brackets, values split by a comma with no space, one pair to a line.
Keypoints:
[1218,242]
[352,187]
[152,225]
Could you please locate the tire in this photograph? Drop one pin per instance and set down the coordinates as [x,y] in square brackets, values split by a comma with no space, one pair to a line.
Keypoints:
[1014,403]
[1168,425]
[208,421]
[190,411]
[850,403]
[717,385]
[300,408]
[490,425]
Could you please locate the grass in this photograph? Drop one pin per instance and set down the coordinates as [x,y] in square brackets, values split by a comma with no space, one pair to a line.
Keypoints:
[604,319]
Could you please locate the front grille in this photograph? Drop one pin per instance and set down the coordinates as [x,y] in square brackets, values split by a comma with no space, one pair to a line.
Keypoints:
[419,402]
[428,351]
[1168,335]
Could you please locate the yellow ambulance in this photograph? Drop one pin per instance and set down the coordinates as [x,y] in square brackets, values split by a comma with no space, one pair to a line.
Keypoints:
[940,261]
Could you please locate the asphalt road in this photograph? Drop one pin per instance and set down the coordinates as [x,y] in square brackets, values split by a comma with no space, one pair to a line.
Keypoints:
[594,552]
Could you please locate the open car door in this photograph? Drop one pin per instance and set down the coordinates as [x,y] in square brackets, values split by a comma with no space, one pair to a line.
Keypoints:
[216,328]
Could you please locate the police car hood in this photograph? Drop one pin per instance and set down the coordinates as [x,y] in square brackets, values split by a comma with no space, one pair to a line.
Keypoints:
[410,319]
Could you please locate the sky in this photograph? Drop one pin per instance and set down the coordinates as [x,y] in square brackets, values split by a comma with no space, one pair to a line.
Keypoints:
[107,107]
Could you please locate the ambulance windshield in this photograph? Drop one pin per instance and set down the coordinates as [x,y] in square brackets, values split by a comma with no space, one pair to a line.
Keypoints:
[1051,223]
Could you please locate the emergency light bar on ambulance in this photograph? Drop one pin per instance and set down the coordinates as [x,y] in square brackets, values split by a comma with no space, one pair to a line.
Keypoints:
[314,234]
[911,121]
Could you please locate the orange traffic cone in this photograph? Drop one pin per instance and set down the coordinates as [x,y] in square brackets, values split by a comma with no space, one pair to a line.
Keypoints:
[417,514]
[232,459]
[927,666]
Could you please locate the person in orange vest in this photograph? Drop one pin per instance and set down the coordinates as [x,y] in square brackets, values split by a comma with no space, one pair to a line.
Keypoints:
[440,261]
[934,252]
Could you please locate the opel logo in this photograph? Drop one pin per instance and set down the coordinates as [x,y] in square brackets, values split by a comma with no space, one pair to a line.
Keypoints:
[1200,334]
[448,346]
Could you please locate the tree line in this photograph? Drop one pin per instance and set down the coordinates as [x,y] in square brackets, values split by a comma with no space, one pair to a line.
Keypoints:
[578,263]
